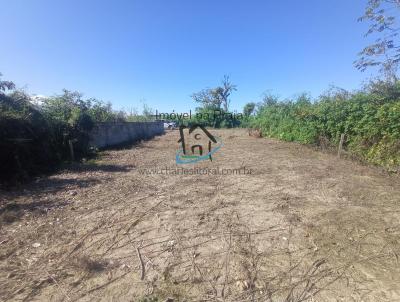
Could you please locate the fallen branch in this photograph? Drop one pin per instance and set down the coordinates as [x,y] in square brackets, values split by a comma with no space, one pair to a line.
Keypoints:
[141,263]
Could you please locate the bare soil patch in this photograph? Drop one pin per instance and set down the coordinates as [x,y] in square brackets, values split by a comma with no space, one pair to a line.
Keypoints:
[304,226]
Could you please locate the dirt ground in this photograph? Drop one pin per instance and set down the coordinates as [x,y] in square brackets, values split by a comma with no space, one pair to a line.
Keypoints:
[303,226]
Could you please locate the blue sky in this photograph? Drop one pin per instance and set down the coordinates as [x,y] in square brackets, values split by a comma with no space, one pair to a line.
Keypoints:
[161,51]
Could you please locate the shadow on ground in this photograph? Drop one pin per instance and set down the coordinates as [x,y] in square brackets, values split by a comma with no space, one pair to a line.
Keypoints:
[14,211]
[92,167]
[11,210]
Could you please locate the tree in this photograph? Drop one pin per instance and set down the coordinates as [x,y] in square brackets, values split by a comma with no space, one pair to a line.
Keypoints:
[385,51]
[268,99]
[249,108]
[218,97]
[148,112]
[6,85]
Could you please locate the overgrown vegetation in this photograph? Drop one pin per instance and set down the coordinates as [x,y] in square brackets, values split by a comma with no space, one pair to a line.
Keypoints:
[370,119]
[34,138]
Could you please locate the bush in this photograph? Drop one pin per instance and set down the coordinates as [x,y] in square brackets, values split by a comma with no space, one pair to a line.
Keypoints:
[26,140]
[370,119]
[34,138]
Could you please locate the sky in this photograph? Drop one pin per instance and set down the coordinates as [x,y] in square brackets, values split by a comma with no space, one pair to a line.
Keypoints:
[159,52]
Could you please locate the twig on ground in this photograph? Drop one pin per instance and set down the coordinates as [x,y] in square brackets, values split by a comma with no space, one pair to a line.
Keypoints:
[143,269]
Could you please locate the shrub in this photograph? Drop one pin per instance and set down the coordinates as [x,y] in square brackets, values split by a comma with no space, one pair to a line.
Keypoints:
[34,138]
[26,140]
[370,119]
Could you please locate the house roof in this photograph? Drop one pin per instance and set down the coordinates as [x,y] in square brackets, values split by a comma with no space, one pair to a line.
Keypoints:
[194,127]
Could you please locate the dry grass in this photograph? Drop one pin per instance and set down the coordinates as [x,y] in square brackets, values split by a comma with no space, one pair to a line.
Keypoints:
[304,226]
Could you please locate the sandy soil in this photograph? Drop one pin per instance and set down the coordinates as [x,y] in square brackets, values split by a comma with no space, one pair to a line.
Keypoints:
[303,226]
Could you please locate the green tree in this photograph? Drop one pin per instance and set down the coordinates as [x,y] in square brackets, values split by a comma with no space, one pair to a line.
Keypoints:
[268,99]
[6,85]
[218,97]
[68,107]
[249,108]
[385,50]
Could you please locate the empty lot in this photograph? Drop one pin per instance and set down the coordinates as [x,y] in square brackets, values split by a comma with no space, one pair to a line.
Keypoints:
[303,226]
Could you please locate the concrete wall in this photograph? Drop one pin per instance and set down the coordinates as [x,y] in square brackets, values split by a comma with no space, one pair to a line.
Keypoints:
[111,134]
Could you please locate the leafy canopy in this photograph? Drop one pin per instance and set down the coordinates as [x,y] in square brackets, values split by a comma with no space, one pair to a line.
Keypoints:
[385,50]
